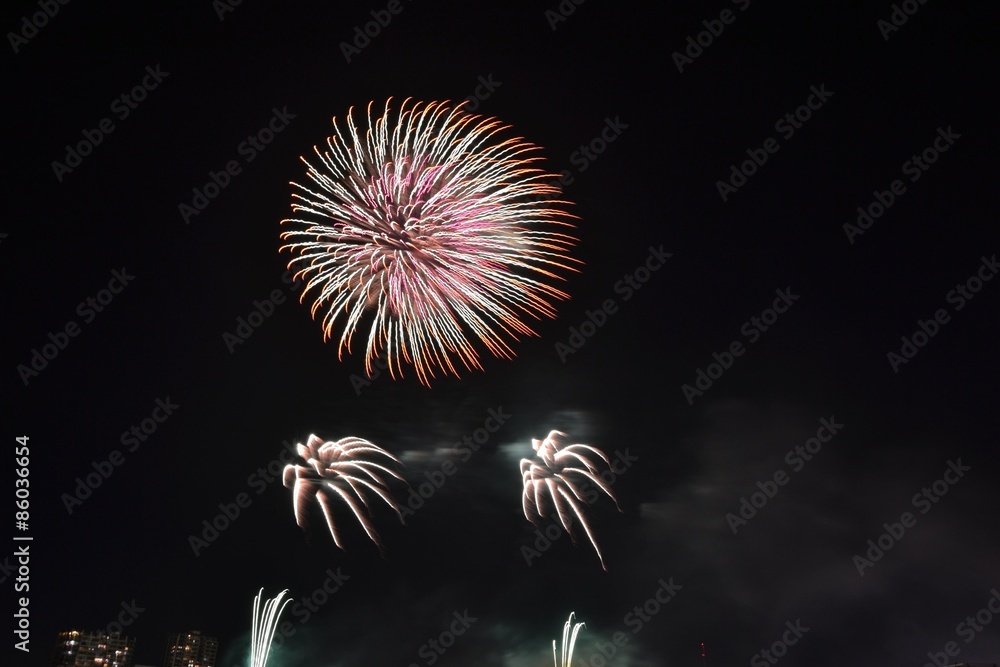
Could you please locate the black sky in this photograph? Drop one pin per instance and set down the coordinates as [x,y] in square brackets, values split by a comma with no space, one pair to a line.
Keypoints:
[655,185]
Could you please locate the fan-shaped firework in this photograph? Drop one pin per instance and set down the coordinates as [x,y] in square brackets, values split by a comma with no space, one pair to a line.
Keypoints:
[262,630]
[554,479]
[343,470]
[440,226]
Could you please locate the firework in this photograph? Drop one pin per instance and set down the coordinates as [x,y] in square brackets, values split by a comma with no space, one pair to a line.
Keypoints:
[555,477]
[262,630]
[567,639]
[340,469]
[440,226]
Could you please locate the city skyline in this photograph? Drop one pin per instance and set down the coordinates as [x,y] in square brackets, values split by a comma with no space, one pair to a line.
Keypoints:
[74,648]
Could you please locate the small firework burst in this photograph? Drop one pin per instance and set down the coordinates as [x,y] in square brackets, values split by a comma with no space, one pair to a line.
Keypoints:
[340,469]
[438,226]
[553,478]
[263,627]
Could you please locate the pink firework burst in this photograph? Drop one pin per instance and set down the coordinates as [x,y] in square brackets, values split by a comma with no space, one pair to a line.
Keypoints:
[555,479]
[340,470]
[425,230]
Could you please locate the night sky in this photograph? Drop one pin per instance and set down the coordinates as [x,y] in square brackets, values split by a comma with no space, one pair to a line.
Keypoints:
[859,410]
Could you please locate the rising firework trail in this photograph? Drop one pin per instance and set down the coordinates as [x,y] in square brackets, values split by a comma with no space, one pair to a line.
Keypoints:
[553,478]
[343,470]
[427,229]
[568,642]
[264,625]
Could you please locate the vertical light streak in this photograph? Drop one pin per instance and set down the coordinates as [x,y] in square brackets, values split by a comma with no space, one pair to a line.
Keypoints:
[568,642]
[264,625]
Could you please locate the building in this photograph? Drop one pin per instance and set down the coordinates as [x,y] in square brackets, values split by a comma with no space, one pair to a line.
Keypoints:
[77,648]
[191,649]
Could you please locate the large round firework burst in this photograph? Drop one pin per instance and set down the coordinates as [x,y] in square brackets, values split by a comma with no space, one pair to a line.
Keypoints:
[440,226]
